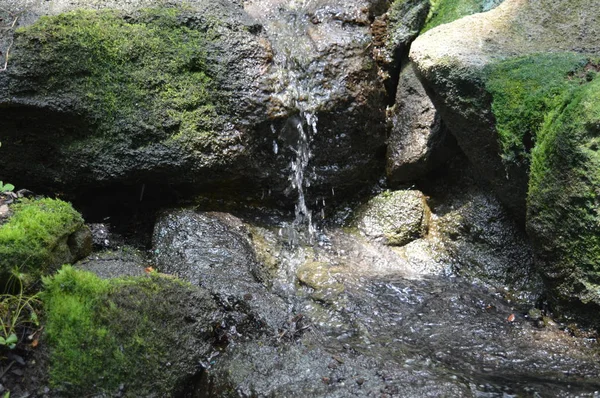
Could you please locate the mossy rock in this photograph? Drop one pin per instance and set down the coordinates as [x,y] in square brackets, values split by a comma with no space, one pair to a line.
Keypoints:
[140,336]
[39,237]
[394,218]
[123,97]
[521,97]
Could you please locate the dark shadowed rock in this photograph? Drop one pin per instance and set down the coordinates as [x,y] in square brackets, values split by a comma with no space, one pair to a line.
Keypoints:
[419,140]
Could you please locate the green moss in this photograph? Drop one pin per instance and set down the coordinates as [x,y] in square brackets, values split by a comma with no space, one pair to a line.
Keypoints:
[446,11]
[553,101]
[102,334]
[35,235]
[564,189]
[525,90]
[141,74]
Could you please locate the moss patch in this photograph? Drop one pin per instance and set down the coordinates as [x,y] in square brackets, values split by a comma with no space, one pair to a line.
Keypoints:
[564,194]
[143,335]
[553,101]
[525,90]
[446,11]
[34,238]
[140,75]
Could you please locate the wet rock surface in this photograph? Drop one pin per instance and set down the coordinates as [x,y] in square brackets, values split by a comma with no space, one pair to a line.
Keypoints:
[252,70]
[366,321]
[213,250]
[394,218]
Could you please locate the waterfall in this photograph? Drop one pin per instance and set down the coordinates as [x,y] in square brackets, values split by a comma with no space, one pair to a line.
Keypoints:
[306,129]
[295,89]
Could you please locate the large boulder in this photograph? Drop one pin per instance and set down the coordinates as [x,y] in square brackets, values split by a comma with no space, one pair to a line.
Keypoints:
[196,96]
[517,87]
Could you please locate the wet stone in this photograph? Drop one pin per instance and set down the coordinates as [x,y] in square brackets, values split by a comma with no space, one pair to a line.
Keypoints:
[394,218]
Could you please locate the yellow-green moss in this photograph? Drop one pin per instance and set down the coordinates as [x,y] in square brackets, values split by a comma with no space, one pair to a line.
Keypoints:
[141,74]
[32,238]
[131,332]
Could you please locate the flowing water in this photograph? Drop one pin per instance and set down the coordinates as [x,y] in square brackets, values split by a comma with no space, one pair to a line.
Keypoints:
[396,323]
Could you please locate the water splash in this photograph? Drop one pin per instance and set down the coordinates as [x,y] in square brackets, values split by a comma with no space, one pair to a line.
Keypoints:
[298,135]
[299,166]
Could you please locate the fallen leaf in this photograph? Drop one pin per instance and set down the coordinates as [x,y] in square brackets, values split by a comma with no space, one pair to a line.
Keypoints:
[511,318]
[149,269]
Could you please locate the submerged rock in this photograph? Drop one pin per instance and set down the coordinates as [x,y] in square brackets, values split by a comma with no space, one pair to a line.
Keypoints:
[394,218]
[517,89]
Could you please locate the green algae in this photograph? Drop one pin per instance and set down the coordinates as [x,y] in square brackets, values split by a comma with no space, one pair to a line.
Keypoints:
[446,11]
[547,110]
[564,196]
[110,335]
[34,238]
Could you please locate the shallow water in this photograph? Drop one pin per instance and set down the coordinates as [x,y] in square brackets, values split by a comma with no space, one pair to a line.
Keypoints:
[373,305]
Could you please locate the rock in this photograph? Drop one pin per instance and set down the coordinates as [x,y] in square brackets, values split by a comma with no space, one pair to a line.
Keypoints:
[198,113]
[145,336]
[108,264]
[213,250]
[321,278]
[419,140]
[392,34]
[40,236]
[518,97]
[394,218]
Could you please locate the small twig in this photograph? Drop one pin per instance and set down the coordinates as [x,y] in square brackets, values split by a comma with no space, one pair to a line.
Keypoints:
[7,369]
[6,57]
[12,26]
